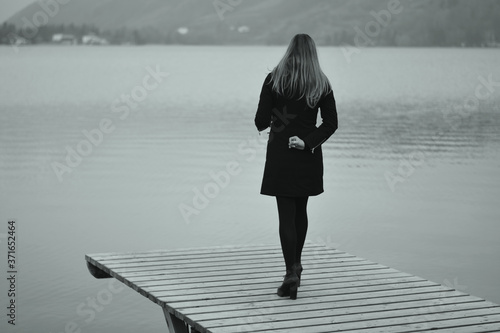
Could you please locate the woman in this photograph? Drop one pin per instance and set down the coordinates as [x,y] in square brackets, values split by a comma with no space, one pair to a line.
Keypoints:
[289,101]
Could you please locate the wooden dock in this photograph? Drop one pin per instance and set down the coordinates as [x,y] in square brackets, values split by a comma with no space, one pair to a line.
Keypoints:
[233,289]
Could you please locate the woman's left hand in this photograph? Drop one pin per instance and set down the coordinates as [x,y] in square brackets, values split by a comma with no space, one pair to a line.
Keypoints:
[296,142]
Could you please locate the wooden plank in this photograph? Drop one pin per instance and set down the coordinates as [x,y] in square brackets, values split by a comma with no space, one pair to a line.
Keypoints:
[327,254]
[276,271]
[371,321]
[327,312]
[315,262]
[263,288]
[337,271]
[273,301]
[224,262]
[329,315]
[429,293]
[214,250]
[309,278]
[202,286]
[216,270]
[310,261]
[347,305]
[193,250]
[468,325]
[474,328]
[239,271]
[219,257]
[376,291]
[346,288]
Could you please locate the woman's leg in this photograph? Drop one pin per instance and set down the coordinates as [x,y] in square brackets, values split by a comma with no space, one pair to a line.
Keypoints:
[300,225]
[287,229]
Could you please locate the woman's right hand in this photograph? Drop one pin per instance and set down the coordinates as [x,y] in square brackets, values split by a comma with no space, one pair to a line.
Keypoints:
[296,142]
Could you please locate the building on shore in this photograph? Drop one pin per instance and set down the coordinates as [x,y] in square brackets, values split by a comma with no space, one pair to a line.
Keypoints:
[65,39]
[94,40]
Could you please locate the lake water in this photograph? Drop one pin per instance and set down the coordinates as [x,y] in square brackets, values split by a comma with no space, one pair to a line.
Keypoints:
[411,175]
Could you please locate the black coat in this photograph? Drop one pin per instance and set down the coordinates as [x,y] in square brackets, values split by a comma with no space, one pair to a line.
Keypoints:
[289,171]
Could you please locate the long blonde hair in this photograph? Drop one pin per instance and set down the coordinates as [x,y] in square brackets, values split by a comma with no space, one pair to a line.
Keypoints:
[299,72]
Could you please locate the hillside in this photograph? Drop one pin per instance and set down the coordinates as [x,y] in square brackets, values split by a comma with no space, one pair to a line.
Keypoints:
[330,22]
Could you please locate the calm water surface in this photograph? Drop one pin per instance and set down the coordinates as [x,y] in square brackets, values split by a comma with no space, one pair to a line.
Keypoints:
[411,176]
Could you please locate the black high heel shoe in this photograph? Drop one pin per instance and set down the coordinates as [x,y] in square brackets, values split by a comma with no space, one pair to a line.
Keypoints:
[289,286]
[297,267]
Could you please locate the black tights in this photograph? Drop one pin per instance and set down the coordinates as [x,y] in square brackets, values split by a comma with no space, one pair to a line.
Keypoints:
[293,227]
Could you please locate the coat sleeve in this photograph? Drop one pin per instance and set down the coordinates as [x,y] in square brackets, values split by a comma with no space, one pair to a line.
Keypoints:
[329,124]
[266,105]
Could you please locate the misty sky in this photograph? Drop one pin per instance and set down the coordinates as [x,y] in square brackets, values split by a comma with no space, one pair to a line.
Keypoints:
[10,7]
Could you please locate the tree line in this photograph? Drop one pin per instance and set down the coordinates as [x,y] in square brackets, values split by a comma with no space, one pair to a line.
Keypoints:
[440,23]
[10,33]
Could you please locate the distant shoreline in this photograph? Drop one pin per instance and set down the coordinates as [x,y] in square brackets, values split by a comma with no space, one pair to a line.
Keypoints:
[250,45]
